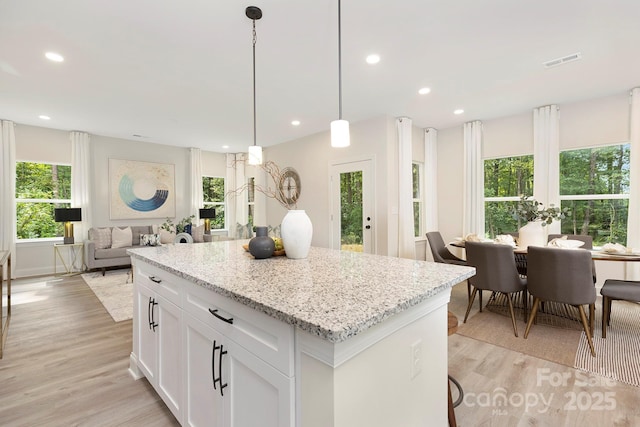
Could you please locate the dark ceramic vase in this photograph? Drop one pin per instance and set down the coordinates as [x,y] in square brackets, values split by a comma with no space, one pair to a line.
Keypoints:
[262,246]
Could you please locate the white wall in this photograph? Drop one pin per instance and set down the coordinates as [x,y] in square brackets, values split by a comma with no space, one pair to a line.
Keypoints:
[312,156]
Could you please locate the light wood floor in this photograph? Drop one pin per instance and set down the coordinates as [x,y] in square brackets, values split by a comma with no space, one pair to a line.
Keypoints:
[557,395]
[65,364]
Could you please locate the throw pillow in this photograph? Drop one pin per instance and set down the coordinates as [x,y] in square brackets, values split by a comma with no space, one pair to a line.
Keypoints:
[198,233]
[102,237]
[167,236]
[150,239]
[121,238]
[243,231]
[274,231]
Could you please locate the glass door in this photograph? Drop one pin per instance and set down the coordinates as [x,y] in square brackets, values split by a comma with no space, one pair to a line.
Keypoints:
[352,222]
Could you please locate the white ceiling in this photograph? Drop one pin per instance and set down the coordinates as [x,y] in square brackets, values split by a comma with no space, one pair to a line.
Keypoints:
[179,72]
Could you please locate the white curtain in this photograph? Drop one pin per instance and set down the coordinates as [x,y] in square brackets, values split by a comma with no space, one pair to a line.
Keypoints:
[236,192]
[431,179]
[230,196]
[633,220]
[473,176]
[406,238]
[81,182]
[546,159]
[8,191]
[195,181]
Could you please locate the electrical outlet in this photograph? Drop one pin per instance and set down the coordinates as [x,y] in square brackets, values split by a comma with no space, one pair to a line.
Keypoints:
[416,358]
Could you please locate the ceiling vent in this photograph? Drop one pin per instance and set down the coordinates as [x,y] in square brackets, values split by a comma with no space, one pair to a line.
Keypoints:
[560,61]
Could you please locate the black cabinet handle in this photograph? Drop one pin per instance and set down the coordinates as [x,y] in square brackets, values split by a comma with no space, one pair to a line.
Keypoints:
[213,364]
[222,386]
[149,310]
[152,322]
[154,279]
[213,367]
[224,319]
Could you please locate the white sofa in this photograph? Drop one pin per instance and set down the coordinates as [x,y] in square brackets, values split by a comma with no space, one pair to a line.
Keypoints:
[98,250]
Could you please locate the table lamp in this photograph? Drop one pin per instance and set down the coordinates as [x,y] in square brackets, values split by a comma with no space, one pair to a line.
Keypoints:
[67,215]
[207,214]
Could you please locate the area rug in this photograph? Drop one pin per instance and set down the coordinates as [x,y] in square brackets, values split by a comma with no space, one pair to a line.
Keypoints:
[557,345]
[115,292]
[616,356]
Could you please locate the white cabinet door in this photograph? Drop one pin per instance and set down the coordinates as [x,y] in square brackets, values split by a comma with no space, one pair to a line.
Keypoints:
[147,352]
[257,394]
[228,386]
[168,332]
[203,407]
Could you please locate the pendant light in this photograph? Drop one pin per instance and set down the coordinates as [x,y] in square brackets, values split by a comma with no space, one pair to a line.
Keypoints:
[340,128]
[255,151]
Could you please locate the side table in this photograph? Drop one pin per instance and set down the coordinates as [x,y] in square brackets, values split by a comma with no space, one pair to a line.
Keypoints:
[70,255]
[5,258]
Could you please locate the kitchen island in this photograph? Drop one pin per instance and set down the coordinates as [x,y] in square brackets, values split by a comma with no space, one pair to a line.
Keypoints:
[337,339]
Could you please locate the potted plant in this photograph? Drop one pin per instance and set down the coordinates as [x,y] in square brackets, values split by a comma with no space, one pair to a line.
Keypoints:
[535,216]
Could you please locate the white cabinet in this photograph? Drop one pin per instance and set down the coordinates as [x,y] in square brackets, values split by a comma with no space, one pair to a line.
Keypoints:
[213,361]
[226,385]
[158,327]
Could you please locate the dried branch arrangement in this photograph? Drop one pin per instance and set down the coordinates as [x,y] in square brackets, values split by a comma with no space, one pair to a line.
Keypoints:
[274,188]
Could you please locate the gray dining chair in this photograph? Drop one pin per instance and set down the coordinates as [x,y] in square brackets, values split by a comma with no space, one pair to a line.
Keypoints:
[563,276]
[442,255]
[439,250]
[495,271]
[613,289]
[588,244]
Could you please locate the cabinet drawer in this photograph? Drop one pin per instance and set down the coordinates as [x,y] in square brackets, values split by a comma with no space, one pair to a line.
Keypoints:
[269,338]
[160,281]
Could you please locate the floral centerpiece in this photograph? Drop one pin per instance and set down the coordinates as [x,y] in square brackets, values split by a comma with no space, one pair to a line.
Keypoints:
[532,212]
[529,209]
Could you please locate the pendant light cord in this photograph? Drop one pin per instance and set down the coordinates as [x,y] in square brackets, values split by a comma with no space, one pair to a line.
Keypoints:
[254,81]
[339,63]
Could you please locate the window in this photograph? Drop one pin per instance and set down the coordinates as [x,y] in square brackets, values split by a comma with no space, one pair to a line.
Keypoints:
[594,184]
[213,191]
[418,199]
[40,188]
[505,179]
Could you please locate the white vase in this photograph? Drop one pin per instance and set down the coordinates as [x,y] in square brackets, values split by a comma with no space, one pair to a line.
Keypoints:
[296,231]
[532,234]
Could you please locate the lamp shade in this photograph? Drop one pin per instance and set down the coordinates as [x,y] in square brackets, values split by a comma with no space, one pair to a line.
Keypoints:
[68,214]
[255,155]
[340,133]
[207,213]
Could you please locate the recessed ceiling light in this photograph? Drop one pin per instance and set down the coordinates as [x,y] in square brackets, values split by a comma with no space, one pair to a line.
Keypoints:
[458,111]
[295,122]
[225,146]
[55,57]
[373,59]
[424,91]
[43,117]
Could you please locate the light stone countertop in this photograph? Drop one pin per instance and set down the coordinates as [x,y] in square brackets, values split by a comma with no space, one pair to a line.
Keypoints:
[331,294]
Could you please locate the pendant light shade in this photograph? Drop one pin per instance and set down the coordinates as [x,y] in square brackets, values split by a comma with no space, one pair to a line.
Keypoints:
[255,155]
[340,134]
[340,128]
[255,151]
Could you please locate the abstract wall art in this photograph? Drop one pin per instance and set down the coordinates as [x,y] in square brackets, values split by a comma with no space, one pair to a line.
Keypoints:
[140,190]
